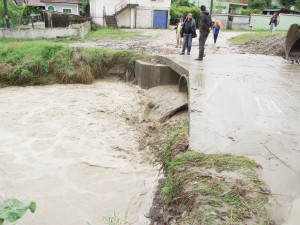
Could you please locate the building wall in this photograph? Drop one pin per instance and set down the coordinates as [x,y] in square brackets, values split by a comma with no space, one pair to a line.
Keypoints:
[143,12]
[261,22]
[144,16]
[60,6]
[124,18]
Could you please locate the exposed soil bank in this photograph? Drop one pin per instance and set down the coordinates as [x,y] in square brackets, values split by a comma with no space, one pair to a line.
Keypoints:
[80,151]
[268,46]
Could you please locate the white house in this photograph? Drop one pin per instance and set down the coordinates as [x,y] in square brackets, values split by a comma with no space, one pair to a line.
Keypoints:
[64,6]
[132,13]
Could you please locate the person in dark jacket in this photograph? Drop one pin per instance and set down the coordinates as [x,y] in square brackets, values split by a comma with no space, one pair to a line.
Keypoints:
[205,25]
[188,31]
[273,23]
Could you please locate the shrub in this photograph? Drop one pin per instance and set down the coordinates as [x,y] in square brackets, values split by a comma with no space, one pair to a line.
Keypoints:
[176,13]
[251,11]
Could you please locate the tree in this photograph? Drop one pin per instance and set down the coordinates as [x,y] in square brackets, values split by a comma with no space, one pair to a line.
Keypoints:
[259,4]
[14,11]
[297,4]
[288,3]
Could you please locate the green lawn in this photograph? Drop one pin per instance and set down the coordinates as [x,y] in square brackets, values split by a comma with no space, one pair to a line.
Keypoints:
[113,33]
[244,38]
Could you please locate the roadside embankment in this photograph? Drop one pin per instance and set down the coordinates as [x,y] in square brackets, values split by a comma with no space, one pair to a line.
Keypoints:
[203,188]
[43,62]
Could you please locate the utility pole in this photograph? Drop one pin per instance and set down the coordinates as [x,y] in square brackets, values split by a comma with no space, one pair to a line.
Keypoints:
[211,6]
[6,13]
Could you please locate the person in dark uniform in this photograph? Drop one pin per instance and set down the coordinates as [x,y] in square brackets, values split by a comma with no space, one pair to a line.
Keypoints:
[188,32]
[205,25]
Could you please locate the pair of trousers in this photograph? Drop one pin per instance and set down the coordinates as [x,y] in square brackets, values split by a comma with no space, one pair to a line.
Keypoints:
[272,27]
[202,40]
[215,38]
[187,42]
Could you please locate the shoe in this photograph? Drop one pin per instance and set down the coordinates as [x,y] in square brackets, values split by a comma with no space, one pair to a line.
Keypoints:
[199,59]
[182,53]
[188,53]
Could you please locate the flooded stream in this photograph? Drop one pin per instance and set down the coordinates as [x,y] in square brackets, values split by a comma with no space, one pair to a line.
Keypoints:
[75,151]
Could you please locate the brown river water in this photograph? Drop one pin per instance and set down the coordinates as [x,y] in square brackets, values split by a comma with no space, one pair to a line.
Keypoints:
[75,151]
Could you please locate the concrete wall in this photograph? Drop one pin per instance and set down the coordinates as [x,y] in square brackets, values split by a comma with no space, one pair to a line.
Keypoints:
[60,6]
[45,32]
[239,22]
[149,75]
[261,22]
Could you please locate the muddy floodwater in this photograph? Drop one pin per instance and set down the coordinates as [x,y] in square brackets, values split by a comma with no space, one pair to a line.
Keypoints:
[76,151]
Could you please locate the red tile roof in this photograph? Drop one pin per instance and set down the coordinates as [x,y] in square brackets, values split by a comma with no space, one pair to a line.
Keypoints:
[35,3]
[62,1]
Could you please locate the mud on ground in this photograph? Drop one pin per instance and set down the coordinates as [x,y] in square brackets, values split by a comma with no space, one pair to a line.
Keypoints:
[268,46]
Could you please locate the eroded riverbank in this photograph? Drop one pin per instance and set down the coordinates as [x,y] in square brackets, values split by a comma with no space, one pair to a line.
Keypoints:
[79,151]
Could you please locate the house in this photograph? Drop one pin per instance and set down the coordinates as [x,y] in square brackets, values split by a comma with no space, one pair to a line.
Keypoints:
[63,6]
[223,6]
[131,13]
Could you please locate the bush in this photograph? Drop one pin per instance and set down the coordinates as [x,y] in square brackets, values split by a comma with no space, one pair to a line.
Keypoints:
[251,11]
[259,4]
[176,13]
[31,10]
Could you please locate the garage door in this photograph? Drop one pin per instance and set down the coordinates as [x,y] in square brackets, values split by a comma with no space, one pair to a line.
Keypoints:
[160,19]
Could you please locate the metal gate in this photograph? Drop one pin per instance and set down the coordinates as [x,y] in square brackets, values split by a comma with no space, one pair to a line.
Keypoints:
[160,19]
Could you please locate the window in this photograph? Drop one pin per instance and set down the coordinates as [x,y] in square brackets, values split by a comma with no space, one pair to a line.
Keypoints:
[67,11]
[51,8]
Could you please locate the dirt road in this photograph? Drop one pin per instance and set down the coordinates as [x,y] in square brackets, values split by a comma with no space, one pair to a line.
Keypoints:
[161,42]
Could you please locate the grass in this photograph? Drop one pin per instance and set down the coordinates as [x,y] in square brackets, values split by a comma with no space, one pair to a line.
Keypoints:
[112,33]
[244,38]
[39,62]
[213,188]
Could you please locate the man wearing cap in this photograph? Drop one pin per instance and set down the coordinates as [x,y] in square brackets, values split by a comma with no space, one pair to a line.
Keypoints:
[205,25]
[188,32]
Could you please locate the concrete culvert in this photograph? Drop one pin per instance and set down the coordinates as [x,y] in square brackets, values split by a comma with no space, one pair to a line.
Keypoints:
[183,84]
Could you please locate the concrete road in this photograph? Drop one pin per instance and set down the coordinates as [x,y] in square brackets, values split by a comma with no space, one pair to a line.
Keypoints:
[250,105]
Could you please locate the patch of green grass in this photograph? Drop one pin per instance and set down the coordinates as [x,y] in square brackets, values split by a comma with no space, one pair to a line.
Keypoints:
[37,62]
[216,188]
[112,33]
[244,38]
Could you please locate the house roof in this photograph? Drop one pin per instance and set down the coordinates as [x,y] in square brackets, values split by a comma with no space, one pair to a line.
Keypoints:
[62,1]
[35,3]
[281,10]
[19,2]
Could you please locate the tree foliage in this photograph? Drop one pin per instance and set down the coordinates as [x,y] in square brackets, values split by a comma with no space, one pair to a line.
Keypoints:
[14,11]
[176,13]
[259,4]
[288,3]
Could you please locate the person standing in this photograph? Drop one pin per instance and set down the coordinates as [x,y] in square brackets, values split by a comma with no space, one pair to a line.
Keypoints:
[188,32]
[217,27]
[273,23]
[178,33]
[205,25]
